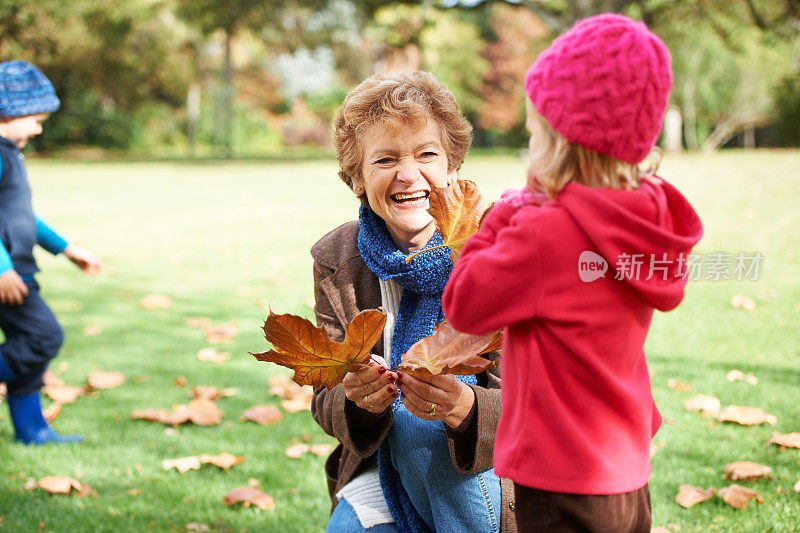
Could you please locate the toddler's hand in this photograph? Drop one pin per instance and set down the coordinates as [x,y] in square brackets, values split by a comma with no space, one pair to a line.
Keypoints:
[84,259]
[12,289]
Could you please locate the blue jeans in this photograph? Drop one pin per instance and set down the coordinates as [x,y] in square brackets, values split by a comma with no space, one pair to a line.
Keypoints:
[445,499]
[345,520]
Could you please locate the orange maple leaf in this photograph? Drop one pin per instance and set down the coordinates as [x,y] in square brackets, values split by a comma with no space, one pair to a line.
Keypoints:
[457,211]
[315,359]
[448,351]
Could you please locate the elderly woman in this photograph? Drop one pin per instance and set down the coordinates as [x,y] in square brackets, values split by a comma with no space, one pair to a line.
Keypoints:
[415,454]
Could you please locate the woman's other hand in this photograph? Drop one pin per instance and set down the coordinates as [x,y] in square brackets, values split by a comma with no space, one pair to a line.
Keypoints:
[442,397]
[371,388]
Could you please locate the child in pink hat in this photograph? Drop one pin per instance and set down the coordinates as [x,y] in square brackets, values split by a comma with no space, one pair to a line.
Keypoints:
[572,268]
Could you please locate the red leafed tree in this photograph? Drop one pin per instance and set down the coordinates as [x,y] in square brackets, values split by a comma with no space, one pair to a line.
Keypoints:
[519,36]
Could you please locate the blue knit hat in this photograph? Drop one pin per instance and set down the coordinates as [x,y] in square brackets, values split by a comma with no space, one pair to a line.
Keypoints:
[24,90]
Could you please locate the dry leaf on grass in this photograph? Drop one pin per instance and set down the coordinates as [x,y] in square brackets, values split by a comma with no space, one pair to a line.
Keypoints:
[295,405]
[654,447]
[59,484]
[105,380]
[262,414]
[689,495]
[740,301]
[317,360]
[746,470]
[212,355]
[660,529]
[679,385]
[201,322]
[196,526]
[182,464]
[747,416]
[797,486]
[785,440]
[155,301]
[708,405]
[51,379]
[738,497]
[63,393]
[457,211]
[295,451]
[448,351]
[180,381]
[738,375]
[52,411]
[212,393]
[224,334]
[200,411]
[248,496]
[92,330]
[223,460]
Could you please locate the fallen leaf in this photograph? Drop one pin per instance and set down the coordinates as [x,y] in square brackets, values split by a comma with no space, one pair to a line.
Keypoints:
[133,492]
[30,484]
[105,380]
[212,393]
[92,330]
[457,211]
[702,403]
[212,355]
[200,411]
[785,440]
[740,301]
[738,497]
[198,322]
[296,451]
[738,375]
[59,484]
[253,482]
[223,460]
[86,491]
[63,393]
[182,464]
[797,486]
[51,379]
[224,334]
[295,405]
[654,447]
[689,495]
[180,381]
[746,470]
[52,411]
[248,496]
[317,360]
[448,351]
[747,416]
[323,450]
[194,526]
[679,385]
[155,301]
[203,412]
[659,530]
[262,414]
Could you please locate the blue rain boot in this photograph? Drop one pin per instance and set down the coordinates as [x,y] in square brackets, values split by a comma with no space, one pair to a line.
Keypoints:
[5,373]
[29,423]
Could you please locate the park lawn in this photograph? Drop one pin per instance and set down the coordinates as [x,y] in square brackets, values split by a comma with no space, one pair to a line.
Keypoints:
[222,238]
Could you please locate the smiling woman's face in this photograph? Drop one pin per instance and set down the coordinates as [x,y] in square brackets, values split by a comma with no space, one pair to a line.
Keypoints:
[399,169]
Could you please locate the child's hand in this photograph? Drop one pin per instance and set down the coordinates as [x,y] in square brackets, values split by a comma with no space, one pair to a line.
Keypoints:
[442,397]
[517,197]
[85,259]
[12,289]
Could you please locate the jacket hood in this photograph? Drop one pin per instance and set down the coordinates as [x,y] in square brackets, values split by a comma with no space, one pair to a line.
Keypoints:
[653,226]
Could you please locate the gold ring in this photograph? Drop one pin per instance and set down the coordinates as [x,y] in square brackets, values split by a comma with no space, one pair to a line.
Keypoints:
[432,410]
[369,403]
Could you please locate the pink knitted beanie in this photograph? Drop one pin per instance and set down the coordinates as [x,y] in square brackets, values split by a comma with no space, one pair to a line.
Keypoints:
[604,85]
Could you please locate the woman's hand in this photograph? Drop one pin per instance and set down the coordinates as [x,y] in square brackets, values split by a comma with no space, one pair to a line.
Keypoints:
[442,397]
[371,388]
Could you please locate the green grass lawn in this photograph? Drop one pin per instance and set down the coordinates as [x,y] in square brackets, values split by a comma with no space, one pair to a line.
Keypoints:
[202,233]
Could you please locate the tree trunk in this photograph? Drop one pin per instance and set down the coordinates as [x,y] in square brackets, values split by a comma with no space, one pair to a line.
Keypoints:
[192,115]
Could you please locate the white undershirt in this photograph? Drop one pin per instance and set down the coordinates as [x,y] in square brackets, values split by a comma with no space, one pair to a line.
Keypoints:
[363,492]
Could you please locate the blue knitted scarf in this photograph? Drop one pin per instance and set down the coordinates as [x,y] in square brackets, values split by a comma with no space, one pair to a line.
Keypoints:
[423,281]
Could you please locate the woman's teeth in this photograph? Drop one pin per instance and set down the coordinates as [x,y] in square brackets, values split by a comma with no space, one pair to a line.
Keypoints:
[417,197]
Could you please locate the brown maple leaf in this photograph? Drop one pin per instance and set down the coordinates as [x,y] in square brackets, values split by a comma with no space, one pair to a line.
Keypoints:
[262,414]
[223,460]
[248,496]
[182,464]
[738,497]
[59,484]
[315,359]
[105,380]
[689,495]
[457,211]
[746,470]
[785,440]
[747,416]
[448,351]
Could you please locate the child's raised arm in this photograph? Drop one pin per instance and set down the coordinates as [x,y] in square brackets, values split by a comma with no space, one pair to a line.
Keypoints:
[496,281]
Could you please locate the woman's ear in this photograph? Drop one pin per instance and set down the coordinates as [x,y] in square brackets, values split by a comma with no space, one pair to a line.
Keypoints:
[358,188]
[452,176]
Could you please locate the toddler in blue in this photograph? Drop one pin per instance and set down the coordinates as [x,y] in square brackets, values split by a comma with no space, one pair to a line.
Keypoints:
[32,334]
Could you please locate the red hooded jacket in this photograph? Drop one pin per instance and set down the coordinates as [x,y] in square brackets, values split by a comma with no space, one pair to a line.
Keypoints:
[578,412]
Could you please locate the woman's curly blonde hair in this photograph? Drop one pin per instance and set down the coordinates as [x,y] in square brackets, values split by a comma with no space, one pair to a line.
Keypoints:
[397,100]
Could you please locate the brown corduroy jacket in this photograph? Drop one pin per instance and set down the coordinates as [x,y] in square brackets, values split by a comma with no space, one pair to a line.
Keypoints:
[343,287]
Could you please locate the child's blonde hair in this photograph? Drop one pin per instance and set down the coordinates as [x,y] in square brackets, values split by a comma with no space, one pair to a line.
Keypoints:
[555,162]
